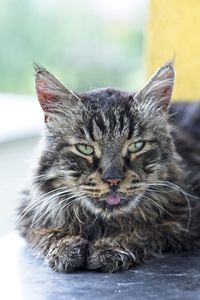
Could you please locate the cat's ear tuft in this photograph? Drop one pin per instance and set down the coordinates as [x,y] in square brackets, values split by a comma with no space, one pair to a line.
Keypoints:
[50,91]
[159,87]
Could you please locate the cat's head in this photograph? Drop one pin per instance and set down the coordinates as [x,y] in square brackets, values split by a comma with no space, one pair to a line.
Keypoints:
[105,146]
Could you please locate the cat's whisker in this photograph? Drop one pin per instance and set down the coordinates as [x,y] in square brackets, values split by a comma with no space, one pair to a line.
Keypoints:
[35,219]
[32,205]
[40,216]
[180,190]
[75,210]
[140,209]
[131,205]
[174,186]
[75,198]
[62,208]
[68,204]
[47,205]
[65,206]
[142,214]
[35,203]
[65,174]
[39,176]
[158,205]
[41,198]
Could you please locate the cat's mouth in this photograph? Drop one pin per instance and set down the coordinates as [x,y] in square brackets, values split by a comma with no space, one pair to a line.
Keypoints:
[111,201]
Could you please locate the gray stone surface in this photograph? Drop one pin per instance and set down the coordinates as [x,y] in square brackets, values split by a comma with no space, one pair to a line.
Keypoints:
[167,278]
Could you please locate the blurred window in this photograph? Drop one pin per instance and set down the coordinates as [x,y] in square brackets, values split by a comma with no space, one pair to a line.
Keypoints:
[87,44]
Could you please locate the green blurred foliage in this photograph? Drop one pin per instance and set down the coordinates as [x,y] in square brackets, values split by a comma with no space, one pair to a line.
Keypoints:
[72,40]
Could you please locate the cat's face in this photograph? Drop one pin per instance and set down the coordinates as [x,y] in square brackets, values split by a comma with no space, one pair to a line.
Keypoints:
[106,146]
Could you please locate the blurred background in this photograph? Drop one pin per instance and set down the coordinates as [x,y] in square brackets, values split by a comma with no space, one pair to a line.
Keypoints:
[86,44]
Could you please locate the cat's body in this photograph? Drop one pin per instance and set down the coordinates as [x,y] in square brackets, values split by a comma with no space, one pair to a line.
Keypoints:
[110,190]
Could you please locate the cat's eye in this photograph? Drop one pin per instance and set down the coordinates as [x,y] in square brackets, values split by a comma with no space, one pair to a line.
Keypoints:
[85,149]
[135,147]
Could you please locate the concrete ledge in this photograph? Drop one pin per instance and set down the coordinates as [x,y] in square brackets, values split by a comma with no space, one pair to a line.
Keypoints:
[167,278]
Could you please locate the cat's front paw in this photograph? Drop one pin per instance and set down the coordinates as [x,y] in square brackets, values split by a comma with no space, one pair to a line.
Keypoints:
[107,258]
[67,254]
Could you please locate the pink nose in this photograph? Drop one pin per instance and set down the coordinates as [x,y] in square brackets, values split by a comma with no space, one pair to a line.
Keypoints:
[113,181]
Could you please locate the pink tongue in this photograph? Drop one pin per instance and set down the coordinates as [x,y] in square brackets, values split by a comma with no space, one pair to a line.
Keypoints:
[113,200]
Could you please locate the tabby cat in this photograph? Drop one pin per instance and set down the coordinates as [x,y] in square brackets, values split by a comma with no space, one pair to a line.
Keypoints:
[113,185]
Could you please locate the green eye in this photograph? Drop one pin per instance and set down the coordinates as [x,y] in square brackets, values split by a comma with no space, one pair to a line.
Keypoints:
[85,149]
[135,147]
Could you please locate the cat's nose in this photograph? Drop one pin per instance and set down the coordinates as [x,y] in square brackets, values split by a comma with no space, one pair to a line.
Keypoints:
[113,175]
[113,181]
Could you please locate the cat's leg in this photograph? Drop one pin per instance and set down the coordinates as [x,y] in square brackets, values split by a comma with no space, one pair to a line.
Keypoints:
[111,255]
[130,249]
[63,253]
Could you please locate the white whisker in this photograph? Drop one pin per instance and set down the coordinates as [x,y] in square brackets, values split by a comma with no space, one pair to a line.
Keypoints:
[49,210]
[40,200]
[175,187]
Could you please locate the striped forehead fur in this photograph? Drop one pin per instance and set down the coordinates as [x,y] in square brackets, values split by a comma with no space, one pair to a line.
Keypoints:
[117,121]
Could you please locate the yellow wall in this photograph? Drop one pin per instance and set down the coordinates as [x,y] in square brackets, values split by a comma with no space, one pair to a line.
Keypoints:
[174,29]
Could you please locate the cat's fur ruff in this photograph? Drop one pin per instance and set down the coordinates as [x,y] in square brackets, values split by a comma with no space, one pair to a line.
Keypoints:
[64,214]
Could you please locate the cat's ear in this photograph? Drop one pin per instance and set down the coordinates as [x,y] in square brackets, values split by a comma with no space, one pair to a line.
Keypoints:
[159,87]
[51,93]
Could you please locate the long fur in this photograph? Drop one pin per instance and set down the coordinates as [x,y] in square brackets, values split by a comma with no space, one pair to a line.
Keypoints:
[64,214]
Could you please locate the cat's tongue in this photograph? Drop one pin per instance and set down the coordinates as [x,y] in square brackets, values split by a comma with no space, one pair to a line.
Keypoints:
[113,200]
